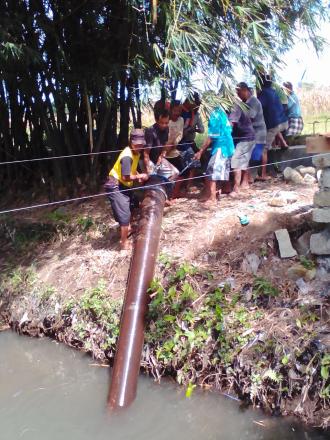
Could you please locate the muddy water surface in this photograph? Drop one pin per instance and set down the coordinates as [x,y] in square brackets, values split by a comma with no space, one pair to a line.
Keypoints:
[49,392]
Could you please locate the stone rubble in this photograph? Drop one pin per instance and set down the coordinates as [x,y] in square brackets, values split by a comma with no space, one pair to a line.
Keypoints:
[300,175]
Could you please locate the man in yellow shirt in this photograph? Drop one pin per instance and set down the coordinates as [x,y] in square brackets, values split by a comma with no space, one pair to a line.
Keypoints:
[120,182]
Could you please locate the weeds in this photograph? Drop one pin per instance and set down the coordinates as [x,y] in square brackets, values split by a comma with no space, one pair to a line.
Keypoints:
[85,223]
[307,263]
[58,216]
[264,288]
[18,281]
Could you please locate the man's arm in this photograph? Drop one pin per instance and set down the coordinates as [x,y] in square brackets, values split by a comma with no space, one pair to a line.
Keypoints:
[253,109]
[126,172]
[199,124]
[205,145]
[146,152]
[235,115]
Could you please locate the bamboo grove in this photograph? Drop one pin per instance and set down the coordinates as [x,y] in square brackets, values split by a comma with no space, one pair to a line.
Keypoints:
[74,74]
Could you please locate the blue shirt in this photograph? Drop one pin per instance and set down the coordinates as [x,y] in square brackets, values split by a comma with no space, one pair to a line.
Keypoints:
[294,110]
[220,133]
[272,107]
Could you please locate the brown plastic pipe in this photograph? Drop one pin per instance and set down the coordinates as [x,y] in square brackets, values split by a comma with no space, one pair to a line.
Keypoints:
[126,366]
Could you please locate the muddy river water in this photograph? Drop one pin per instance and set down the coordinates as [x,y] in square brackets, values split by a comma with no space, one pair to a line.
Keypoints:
[49,392]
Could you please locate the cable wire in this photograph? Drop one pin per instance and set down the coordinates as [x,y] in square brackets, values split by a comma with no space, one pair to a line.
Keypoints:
[75,199]
[39,159]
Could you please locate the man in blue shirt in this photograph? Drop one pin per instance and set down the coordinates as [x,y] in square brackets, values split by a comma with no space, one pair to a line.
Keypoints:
[275,118]
[296,123]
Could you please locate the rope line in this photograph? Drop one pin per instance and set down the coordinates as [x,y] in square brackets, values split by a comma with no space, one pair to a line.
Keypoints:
[68,156]
[59,202]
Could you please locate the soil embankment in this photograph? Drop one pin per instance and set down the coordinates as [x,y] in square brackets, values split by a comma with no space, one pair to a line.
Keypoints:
[225,310]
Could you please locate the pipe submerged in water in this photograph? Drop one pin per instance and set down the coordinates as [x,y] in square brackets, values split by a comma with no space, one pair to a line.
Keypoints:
[126,366]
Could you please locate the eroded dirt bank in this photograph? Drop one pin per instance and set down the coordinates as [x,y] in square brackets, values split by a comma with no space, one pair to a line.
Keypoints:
[225,310]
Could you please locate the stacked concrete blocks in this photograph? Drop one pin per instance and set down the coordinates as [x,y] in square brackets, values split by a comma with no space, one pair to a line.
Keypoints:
[320,242]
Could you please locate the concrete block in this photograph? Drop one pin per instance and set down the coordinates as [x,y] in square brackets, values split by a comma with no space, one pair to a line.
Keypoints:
[302,245]
[322,198]
[321,215]
[322,161]
[318,144]
[325,178]
[320,243]
[291,155]
[284,244]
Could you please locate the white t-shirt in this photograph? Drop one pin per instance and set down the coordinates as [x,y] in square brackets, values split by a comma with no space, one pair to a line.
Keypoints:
[175,131]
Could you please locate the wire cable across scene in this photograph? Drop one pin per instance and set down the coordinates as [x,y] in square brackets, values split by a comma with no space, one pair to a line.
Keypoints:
[59,202]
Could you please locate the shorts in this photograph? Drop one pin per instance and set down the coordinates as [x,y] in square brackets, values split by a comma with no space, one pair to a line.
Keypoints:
[296,126]
[242,155]
[218,167]
[257,151]
[272,132]
[120,201]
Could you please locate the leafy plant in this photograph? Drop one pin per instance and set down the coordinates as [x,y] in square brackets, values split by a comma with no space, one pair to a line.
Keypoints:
[272,375]
[58,216]
[307,263]
[263,287]
[85,223]
[325,366]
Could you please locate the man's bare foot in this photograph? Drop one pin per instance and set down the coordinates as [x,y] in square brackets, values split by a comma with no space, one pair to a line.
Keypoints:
[210,202]
[170,202]
[125,246]
[245,185]
[263,178]
[233,194]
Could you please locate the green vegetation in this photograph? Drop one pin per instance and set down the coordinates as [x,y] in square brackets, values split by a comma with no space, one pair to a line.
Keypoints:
[85,223]
[97,317]
[197,332]
[263,288]
[307,263]
[18,281]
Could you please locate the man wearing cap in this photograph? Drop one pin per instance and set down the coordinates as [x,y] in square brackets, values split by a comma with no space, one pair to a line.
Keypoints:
[121,179]
[256,115]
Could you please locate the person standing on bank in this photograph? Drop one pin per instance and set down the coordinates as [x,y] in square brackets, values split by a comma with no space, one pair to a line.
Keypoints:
[222,148]
[275,118]
[256,115]
[296,124]
[122,177]
[244,140]
[187,146]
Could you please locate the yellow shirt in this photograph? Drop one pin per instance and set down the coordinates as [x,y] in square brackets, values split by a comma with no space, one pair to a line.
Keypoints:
[116,169]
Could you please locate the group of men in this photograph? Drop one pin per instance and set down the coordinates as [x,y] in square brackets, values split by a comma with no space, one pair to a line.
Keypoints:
[234,139]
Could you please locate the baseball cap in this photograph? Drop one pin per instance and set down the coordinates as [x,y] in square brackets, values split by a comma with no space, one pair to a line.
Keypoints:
[137,137]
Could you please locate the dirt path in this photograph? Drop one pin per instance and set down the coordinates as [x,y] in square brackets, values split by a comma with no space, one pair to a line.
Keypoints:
[76,259]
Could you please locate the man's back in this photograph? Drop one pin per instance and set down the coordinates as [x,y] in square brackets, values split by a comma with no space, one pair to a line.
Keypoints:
[274,113]
[294,110]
